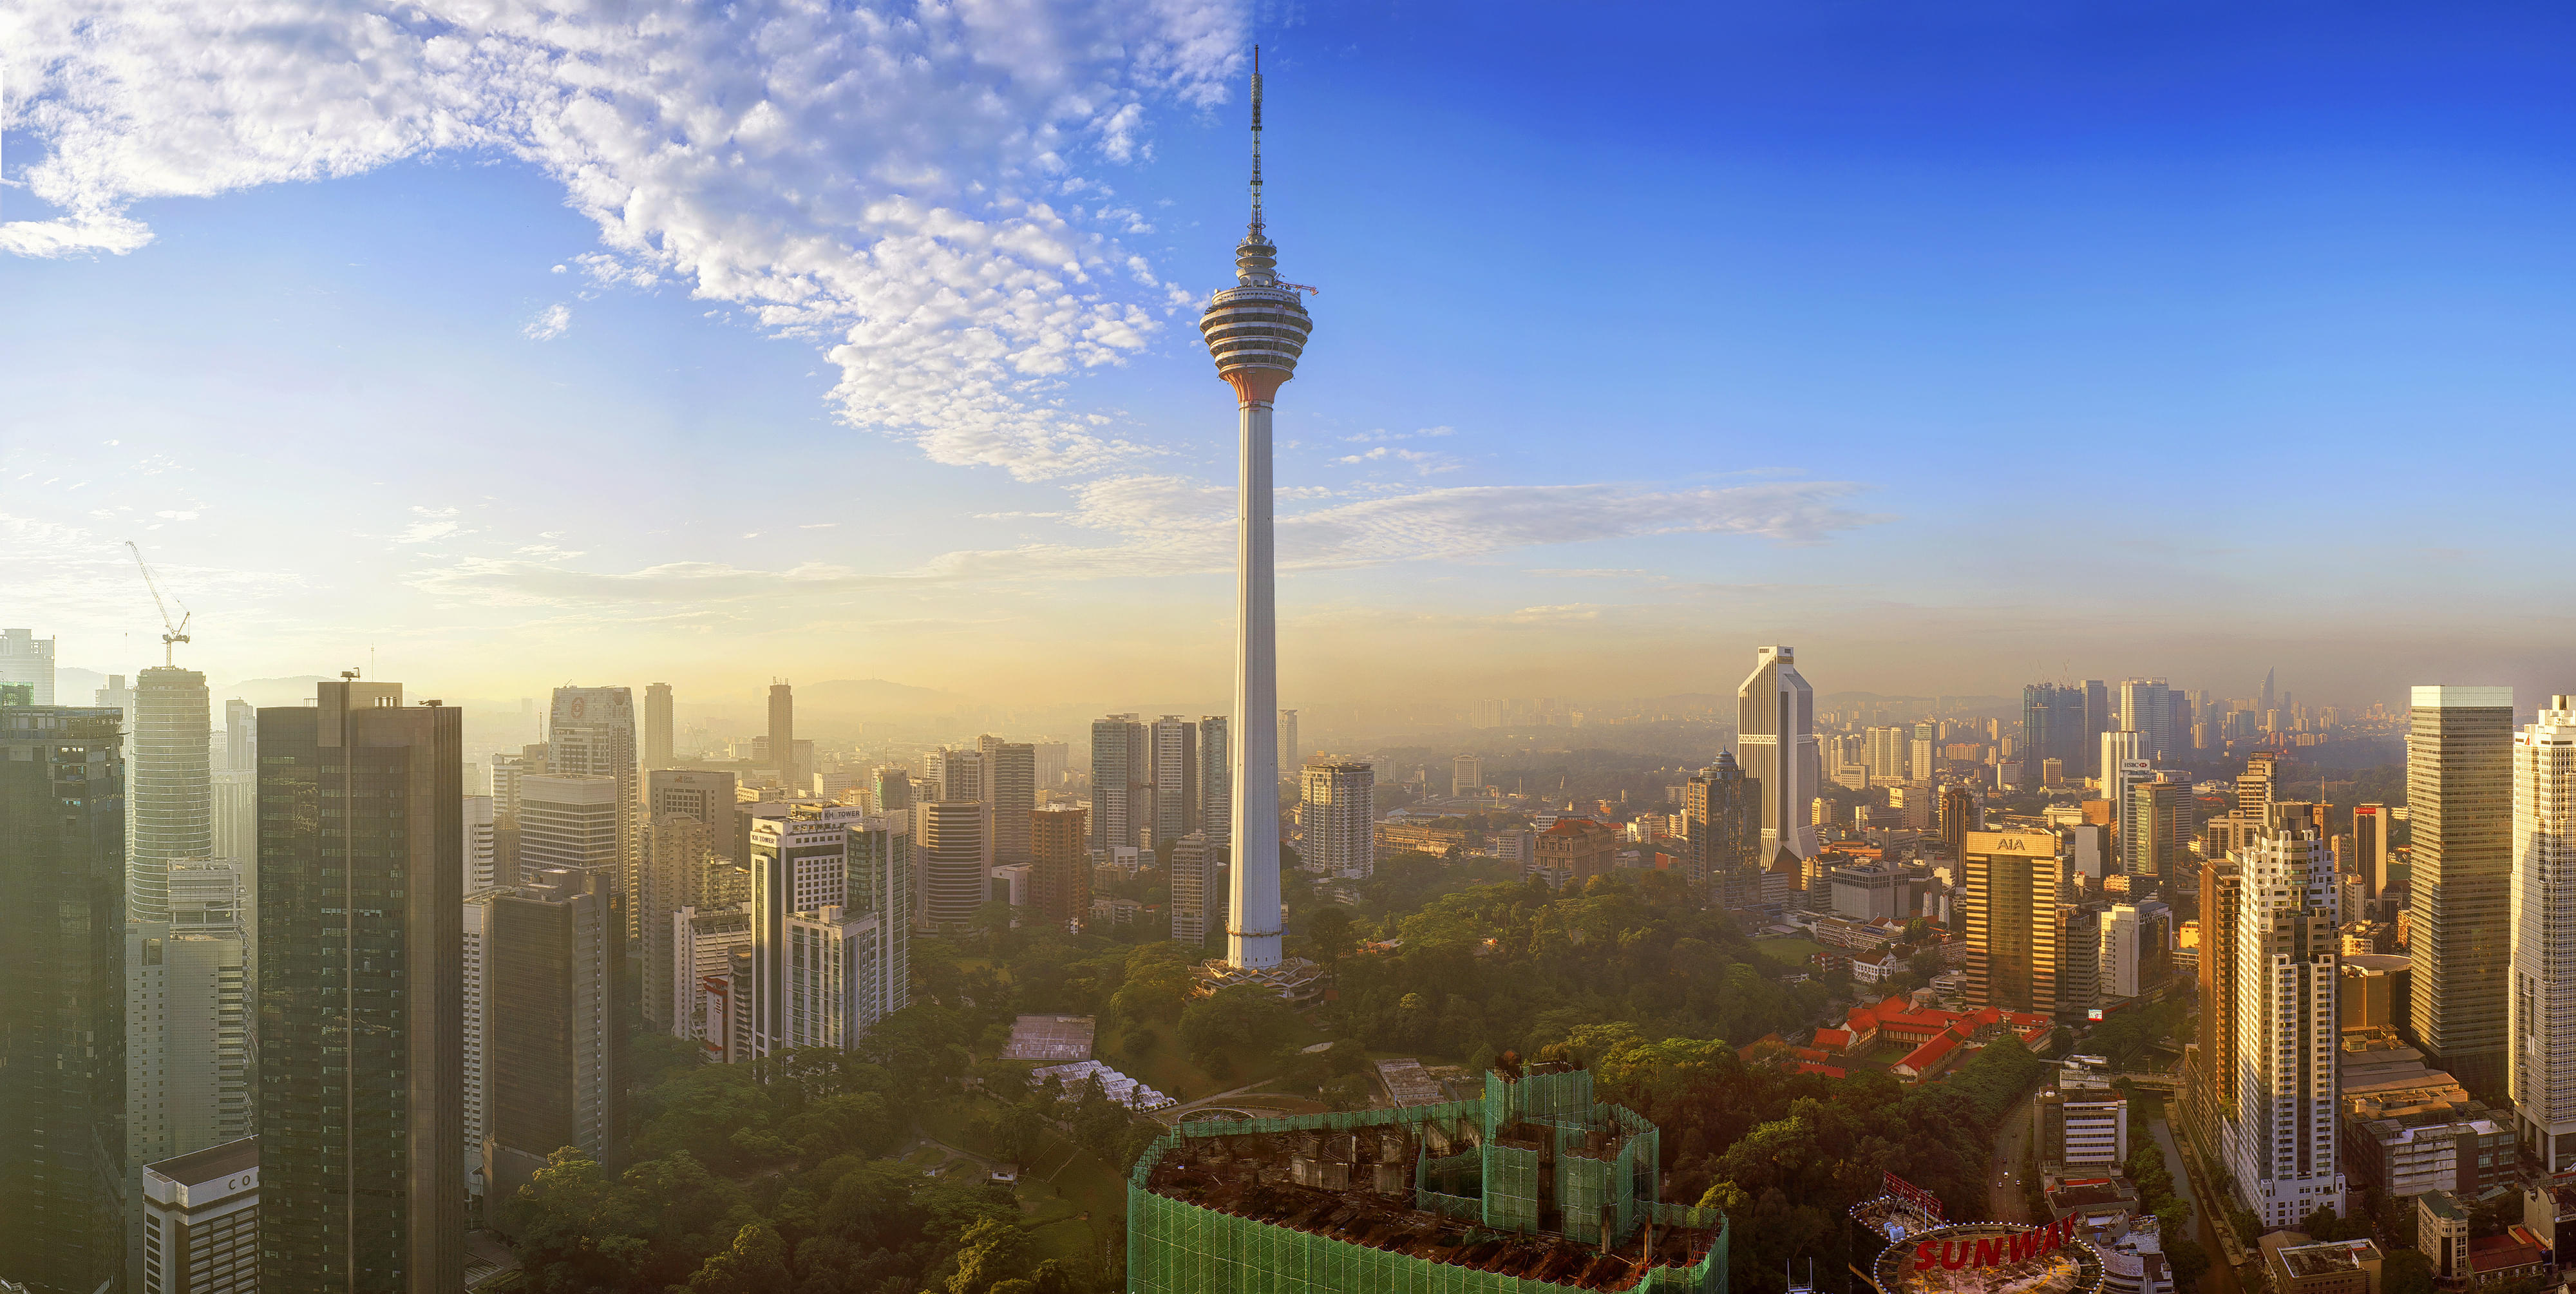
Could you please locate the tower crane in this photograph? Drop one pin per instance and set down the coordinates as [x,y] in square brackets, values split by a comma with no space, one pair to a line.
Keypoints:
[171,634]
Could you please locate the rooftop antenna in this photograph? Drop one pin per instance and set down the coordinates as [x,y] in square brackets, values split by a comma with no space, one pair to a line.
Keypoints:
[1256,144]
[171,634]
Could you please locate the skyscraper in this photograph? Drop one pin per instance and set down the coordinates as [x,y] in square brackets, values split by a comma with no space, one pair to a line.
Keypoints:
[2052,727]
[657,725]
[2281,1138]
[1176,771]
[1122,779]
[187,1040]
[173,816]
[2097,720]
[62,1022]
[1291,755]
[1722,834]
[2013,884]
[673,876]
[815,859]
[1193,888]
[2158,822]
[1216,784]
[1060,869]
[1775,741]
[554,1028]
[573,823]
[590,732]
[2145,710]
[706,796]
[361,995]
[953,846]
[2459,805]
[782,734]
[26,658]
[1337,812]
[2370,823]
[2541,1011]
[1466,775]
[2214,1081]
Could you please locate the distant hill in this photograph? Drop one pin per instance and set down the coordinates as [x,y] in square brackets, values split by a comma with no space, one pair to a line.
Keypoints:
[876,695]
[295,689]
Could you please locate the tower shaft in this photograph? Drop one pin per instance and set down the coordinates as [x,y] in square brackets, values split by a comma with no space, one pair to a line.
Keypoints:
[1252,919]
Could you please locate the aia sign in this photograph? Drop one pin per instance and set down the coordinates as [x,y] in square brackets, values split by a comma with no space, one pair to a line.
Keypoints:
[1993,1251]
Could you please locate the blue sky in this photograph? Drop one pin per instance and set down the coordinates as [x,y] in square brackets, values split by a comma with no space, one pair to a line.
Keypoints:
[1958,347]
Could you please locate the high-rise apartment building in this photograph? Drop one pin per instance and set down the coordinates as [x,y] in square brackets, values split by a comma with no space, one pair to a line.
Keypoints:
[481,869]
[187,1032]
[28,659]
[1122,779]
[2459,807]
[1776,743]
[1176,774]
[361,995]
[2214,1079]
[63,1021]
[2012,891]
[1011,787]
[554,1025]
[782,736]
[702,987]
[1889,754]
[677,847]
[2541,1010]
[657,726]
[173,817]
[1722,834]
[2280,1140]
[1060,866]
[1466,775]
[834,882]
[1216,783]
[1337,814]
[2133,948]
[1193,889]
[953,853]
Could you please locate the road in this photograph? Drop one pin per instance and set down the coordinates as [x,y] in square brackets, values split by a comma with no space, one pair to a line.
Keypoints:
[2012,1149]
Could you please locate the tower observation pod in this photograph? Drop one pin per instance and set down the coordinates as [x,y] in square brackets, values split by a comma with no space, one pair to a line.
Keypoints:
[1256,331]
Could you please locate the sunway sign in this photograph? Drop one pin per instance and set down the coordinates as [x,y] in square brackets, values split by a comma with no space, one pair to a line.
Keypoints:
[1993,1251]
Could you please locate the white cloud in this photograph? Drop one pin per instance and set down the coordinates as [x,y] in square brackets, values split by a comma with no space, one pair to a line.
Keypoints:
[549,323]
[878,180]
[433,523]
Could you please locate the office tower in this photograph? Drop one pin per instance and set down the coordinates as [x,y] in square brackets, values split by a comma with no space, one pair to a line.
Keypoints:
[1176,770]
[361,994]
[1776,743]
[2541,1016]
[2132,948]
[2268,698]
[1054,757]
[232,814]
[187,1040]
[952,774]
[2281,1138]
[2052,725]
[782,735]
[1337,814]
[2370,823]
[2221,885]
[2256,785]
[800,862]
[2083,1124]
[2145,711]
[2013,882]
[1121,782]
[1466,775]
[62,1024]
[474,976]
[953,848]
[28,659]
[2157,825]
[1060,866]
[2178,722]
[2079,978]
[1255,331]
[572,823]
[1193,885]
[241,737]
[834,993]
[481,866]
[702,977]
[657,725]
[1722,834]
[201,1221]
[171,741]
[554,1040]
[673,876]
[590,732]
[1011,787]
[707,797]
[837,883]
[2097,720]
[893,791]
[2123,758]
[1290,754]
[1216,784]
[1959,815]
[2459,804]
[507,770]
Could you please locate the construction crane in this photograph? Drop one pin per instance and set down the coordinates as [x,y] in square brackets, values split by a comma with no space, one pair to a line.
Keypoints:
[171,634]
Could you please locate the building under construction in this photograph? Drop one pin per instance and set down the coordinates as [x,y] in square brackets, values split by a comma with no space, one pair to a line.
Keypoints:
[1533,1186]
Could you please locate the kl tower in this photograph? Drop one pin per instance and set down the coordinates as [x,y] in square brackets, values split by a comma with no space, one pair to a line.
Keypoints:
[1255,330]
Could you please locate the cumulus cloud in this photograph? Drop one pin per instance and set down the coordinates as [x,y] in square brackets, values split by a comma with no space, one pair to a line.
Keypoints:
[549,323]
[897,184]
[429,524]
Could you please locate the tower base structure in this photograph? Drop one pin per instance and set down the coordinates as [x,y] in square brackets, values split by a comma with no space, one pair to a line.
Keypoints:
[1294,978]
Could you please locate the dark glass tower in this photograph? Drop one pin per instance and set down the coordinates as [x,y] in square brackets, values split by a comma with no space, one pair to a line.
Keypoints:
[62,1022]
[361,996]
[2459,799]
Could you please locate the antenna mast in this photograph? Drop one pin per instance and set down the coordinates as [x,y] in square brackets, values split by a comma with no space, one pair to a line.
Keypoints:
[170,633]
[1256,141]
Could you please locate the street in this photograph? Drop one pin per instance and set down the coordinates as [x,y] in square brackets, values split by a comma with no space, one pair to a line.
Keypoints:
[2004,1190]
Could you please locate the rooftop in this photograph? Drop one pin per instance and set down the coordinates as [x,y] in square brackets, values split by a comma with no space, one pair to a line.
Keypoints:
[216,1161]
[2328,1257]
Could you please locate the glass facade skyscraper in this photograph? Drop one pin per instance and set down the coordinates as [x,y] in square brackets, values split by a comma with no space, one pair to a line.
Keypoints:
[2459,804]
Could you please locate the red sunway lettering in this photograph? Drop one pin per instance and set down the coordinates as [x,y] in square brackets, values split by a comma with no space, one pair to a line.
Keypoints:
[1990,1250]
[1925,1255]
[1954,1254]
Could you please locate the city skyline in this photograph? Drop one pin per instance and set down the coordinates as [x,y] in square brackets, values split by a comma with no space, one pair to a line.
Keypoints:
[1787,463]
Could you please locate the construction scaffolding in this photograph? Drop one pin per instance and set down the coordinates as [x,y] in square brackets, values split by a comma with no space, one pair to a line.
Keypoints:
[1533,1187]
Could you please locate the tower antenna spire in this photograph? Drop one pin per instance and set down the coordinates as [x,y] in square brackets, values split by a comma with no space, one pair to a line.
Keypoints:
[1256,143]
